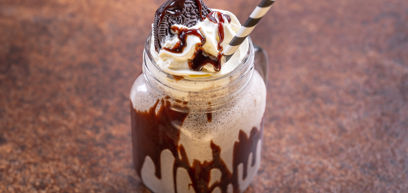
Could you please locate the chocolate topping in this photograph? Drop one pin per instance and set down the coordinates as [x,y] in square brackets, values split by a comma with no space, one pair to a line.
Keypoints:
[184,12]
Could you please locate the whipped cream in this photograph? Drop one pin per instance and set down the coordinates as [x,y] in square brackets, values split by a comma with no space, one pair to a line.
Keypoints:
[178,63]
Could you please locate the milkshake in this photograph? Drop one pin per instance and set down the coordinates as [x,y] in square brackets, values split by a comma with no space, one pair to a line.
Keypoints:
[196,119]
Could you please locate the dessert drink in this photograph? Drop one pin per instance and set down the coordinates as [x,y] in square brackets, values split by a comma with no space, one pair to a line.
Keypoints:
[196,119]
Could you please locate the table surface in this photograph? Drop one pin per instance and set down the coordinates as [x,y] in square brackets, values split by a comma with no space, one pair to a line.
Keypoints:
[337,110]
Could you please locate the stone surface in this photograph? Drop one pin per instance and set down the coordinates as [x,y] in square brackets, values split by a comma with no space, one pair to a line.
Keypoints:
[336,119]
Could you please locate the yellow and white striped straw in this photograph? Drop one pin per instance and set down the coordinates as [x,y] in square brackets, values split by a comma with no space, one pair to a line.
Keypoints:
[248,27]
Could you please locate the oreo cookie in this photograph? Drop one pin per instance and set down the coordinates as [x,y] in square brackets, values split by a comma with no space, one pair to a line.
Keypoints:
[183,12]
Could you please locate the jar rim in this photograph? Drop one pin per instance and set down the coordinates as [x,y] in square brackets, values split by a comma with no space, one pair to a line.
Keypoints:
[239,69]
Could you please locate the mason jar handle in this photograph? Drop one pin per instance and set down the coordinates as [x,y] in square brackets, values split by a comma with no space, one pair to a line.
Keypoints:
[261,62]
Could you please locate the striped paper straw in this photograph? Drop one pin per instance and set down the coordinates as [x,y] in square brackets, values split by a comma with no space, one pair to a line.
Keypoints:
[248,27]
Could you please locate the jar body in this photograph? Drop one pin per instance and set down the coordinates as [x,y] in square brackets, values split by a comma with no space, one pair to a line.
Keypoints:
[180,150]
[200,135]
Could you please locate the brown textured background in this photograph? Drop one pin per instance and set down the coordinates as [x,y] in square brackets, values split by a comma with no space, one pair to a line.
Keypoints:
[337,113]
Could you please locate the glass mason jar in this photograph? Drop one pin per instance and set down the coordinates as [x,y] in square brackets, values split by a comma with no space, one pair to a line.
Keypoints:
[198,135]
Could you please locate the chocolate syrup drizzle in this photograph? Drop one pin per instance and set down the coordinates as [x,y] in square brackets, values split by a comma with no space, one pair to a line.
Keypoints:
[201,58]
[154,132]
[182,34]
[220,16]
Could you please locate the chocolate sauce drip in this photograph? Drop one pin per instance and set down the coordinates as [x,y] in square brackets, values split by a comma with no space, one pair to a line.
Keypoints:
[182,34]
[177,78]
[242,149]
[209,117]
[201,58]
[200,173]
[154,132]
[221,34]
[220,18]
